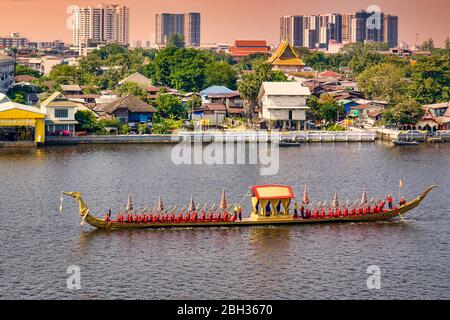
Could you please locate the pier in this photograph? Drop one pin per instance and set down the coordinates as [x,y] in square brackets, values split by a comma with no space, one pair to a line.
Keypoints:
[208,137]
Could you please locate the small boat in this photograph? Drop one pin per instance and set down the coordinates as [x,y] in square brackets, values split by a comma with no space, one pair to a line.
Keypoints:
[405,142]
[286,144]
[271,206]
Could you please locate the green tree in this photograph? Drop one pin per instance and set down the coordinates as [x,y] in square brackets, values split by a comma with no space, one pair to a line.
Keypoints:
[428,45]
[383,82]
[405,112]
[24,70]
[132,88]
[86,121]
[194,103]
[175,40]
[329,110]
[430,79]
[221,74]
[447,43]
[170,106]
[166,126]
[65,74]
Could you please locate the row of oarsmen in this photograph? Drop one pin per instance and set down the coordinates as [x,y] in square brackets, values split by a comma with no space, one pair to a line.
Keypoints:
[161,217]
[321,212]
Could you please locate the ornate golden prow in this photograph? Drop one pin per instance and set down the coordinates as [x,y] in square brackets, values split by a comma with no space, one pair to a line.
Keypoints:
[82,205]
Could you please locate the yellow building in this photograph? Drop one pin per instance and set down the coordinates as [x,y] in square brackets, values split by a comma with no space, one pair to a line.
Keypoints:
[286,59]
[21,124]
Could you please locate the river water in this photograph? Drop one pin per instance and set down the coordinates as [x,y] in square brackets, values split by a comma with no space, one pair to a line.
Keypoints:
[38,243]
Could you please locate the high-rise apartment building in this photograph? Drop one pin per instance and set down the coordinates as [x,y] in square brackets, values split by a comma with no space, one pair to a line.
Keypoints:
[317,31]
[101,24]
[292,29]
[187,25]
[391,30]
[347,27]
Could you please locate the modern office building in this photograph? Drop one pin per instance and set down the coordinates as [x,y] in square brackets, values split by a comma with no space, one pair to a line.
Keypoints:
[188,25]
[102,24]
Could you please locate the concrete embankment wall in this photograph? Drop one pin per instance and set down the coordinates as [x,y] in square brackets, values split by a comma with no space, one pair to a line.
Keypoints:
[311,136]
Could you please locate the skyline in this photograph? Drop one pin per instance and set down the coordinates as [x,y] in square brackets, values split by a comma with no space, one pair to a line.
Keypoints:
[429,18]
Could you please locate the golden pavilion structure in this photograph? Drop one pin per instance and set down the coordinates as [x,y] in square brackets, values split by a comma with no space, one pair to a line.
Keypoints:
[286,59]
[271,202]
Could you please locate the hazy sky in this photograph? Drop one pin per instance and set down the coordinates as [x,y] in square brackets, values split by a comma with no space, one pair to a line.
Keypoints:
[223,20]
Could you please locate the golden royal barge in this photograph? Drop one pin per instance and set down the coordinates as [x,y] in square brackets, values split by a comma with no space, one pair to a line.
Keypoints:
[271,206]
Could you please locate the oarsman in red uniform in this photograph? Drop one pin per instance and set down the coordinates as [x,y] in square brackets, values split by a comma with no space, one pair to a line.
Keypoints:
[203,216]
[316,213]
[210,216]
[390,202]
[187,218]
[179,218]
[120,218]
[322,213]
[138,218]
[345,212]
[234,217]
[353,211]
[402,201]
[365,211]
[330,213]
[308,214]
[107,218]
[225,217]
[194,217]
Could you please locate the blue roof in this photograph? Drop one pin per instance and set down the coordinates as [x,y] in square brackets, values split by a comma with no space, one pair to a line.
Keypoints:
[216,90]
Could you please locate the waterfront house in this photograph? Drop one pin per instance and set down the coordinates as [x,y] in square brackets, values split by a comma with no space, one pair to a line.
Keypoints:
[128,109]
[436,117]
[6,73]
[286,59]
[20,124]
[283,104]
[213,114]
[60,114]
[232,100]
[139,79]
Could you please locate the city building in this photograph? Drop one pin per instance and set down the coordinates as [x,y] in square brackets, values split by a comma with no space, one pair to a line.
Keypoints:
[42,64]
[391,30]
[14,40]
[317,31]
[244,48]
[283,105]
[20,124]
[292,29]
[102,24]
[60,115]
[286,59]
[187,24]
[6,73]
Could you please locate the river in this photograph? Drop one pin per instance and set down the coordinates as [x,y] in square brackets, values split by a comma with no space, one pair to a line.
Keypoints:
[38,243]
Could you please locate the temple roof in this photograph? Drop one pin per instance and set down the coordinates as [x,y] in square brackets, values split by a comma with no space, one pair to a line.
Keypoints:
[286,55]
